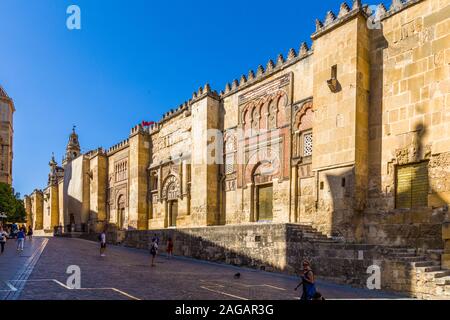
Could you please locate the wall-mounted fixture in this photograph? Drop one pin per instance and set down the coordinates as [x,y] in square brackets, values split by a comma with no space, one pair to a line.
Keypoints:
[333,83]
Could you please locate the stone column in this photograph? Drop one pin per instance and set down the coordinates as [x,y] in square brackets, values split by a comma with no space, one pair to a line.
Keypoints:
[205,165]
[138,162]
[445,258]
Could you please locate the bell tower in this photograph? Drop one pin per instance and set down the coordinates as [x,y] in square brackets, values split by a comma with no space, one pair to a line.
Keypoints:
[73,146]
[6,136]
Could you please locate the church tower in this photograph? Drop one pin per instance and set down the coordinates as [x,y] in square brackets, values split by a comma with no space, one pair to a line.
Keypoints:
[6,136]
[73,147]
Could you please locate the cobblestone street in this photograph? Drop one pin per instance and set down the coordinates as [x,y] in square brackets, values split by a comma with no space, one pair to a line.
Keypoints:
[126,274]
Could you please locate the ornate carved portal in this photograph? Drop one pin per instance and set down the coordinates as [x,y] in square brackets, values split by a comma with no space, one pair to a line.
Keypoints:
[171,189]
[170,194]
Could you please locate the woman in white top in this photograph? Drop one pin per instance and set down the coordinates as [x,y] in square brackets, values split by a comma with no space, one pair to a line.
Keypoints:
[3,237]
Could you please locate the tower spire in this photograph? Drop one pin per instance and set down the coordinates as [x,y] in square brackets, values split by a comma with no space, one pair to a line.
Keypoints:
[73,146]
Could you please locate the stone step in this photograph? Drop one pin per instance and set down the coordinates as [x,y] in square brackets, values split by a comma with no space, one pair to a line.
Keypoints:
[413,259]
[402,250]
[403,254]
[443,281]
[428,269]
[326,241]
[426,263]
[441,274]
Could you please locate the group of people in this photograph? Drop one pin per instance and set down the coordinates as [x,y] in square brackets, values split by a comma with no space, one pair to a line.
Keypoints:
[14,232]
[154,247]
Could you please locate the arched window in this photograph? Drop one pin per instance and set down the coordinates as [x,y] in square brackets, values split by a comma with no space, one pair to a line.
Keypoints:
[255,121]
[230,153]
[303,136]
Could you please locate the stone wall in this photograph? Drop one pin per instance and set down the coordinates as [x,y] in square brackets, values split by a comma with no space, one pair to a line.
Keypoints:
[421,228]
[270,247]
[283,247]
[409,105]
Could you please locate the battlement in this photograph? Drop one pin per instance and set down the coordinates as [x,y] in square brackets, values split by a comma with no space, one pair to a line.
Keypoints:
[174,112]
[271,68]
[120,146]
[37,191]
[396,7]
[346,13]
[93,153]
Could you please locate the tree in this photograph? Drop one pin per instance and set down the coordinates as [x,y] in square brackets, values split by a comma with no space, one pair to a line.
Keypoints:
[11,204]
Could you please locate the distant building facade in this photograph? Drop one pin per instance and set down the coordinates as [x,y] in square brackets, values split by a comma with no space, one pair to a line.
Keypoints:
[7,110]
[351,137]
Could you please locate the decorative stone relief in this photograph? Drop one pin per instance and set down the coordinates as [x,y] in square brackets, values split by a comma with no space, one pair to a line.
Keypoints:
[171,188]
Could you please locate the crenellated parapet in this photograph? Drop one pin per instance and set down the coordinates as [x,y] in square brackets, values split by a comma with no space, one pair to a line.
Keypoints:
[38,192]
[346,13]
[120,146]
[271,68]
[395,7]
[203,92]
[182,108]
[332,20]
[94,153]
[138,129]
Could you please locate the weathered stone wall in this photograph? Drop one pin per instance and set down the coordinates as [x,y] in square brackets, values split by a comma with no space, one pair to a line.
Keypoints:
[76,192]
[37,202]
[118,184]
[272,247]
[139,158]
[7,110]
[169,163]
[282,248]
[51,208]
[420,228]
[98,188]
[387,105]
[410,109]
[29,214]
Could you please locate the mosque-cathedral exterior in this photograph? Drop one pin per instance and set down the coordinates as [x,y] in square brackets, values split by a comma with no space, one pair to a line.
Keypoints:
[350,136]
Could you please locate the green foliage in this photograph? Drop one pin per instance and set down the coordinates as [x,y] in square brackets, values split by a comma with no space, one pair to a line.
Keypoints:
[11,204]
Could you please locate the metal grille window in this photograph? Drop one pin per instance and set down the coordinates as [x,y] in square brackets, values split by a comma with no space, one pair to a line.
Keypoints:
[307,144]
[229,164]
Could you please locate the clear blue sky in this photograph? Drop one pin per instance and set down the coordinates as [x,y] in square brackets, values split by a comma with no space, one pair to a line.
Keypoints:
[131,61]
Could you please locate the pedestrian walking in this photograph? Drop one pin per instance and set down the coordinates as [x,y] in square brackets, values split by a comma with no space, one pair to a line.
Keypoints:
[102,239]
[153,251]
[3,237]
[169,248]
[30,233]
[308,282]
[155,239]
[20,240]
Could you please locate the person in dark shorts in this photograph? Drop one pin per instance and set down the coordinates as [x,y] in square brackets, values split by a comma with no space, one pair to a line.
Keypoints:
[30,233]
[308,282]
[153,251]
[169,248]
[102,239]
